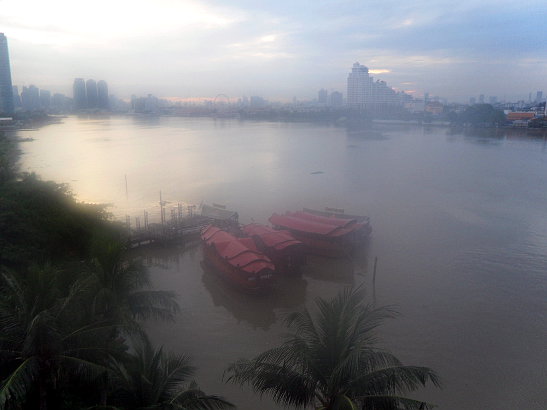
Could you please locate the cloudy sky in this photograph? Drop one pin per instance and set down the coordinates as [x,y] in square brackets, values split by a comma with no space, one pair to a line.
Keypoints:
[279,49]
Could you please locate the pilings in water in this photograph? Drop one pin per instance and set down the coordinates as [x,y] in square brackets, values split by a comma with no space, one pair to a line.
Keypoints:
[181,225]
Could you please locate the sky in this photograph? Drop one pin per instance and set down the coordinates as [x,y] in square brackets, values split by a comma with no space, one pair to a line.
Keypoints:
[279,49]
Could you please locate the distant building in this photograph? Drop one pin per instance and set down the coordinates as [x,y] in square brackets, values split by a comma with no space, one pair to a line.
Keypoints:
[520,116]
[61,103]
[102,95]
[79,94]
[539,96]
[45,99]
[322,96]
[16,97]
[365,94]
[30,98]
[359,87]
[472,101]
[91,93]
[415,106]
[257,102]
[481,99]
[434,108]
[6,91]
[336,99]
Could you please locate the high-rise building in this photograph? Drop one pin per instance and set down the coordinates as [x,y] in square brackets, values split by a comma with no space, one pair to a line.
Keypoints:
[336,99]
[45,99]
[16,97]
[365,94]
[6,91]
[91,93]
[30,98]
[539,96]
[359,87]
[322,96]
[79,96]
[102,95]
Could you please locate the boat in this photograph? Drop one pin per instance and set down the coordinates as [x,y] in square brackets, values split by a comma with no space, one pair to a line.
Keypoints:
[218,215]
[341,213]
[286,252]
[325,235]
[237,260]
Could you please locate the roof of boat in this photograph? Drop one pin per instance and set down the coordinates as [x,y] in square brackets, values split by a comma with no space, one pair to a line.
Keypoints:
[239,252]
[217,213]
[315,224]
[271,238]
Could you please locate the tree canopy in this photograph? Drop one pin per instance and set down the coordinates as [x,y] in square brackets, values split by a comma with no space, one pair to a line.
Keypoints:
[331,361]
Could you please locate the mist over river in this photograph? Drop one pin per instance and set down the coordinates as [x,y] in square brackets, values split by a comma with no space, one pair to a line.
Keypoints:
[459,229]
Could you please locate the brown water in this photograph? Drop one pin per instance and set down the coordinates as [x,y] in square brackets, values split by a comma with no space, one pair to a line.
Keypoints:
[459,230]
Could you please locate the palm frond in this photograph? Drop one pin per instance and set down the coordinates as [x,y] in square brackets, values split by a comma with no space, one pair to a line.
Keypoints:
[380,402]
[394,380]
[284,385]
[16,385]
[195,399]
[156,304]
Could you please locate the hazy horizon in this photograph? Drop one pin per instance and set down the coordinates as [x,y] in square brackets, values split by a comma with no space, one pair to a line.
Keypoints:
[278,50]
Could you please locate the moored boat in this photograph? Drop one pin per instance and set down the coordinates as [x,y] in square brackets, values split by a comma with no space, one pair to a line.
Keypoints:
[286,252]
[324,235]
[237,260]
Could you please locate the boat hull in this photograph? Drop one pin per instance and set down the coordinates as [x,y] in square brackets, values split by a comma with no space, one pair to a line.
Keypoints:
[259,282]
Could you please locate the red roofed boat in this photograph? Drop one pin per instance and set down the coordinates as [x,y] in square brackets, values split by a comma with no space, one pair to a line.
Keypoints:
[323,234]
[237,260]
[286,252]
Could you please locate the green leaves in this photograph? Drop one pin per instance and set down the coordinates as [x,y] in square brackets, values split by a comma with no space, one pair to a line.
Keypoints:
[330,360]
[151,379]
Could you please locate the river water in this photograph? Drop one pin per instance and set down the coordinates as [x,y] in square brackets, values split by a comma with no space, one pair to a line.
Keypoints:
[459,232]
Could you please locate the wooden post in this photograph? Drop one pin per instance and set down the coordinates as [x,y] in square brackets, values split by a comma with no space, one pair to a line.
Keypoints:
[374,281]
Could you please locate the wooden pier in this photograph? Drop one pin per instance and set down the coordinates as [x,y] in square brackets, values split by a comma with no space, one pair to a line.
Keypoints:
[182,225]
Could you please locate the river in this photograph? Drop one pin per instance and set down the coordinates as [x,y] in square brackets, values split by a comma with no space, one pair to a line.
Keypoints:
[459,231]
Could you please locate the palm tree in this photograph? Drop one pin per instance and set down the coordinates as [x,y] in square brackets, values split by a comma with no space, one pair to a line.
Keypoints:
[121,287]
[151,379]
[44,337]
[120,293]
[331,361]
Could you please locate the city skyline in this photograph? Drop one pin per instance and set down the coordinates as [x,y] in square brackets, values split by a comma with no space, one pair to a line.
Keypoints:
[281,50]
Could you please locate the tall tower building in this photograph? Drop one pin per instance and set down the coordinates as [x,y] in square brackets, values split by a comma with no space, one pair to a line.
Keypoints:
[91,93]
[6,92]
[359,87]
[365,94]
[80,100]
[102,95]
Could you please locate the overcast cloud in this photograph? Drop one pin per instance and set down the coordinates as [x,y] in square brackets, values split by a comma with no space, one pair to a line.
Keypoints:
[278,49]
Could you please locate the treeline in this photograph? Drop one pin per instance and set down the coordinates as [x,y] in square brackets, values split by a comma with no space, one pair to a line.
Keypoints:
[478,115]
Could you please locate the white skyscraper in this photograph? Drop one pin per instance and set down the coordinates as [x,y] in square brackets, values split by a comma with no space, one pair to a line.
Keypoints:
[365,94]
[359,87]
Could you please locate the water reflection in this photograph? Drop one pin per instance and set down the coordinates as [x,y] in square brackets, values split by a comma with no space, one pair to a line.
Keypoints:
[260,311]
[364,134]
